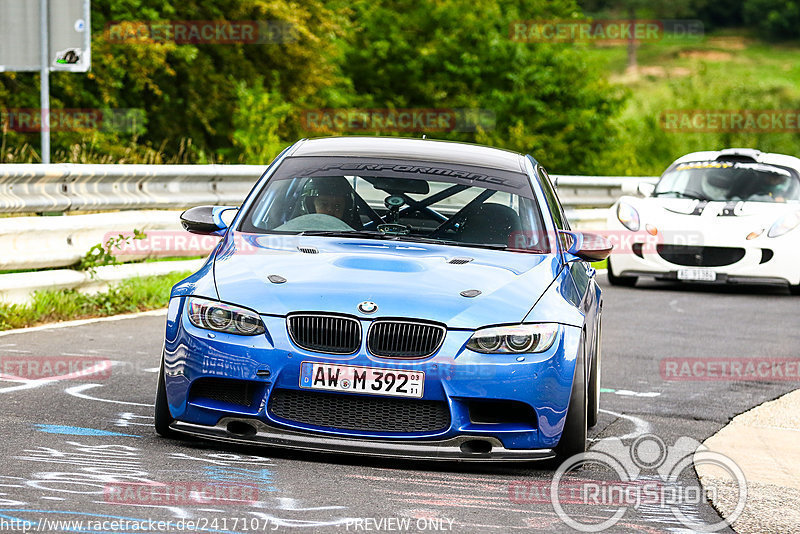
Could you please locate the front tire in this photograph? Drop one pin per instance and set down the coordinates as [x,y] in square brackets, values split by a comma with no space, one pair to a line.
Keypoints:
[162,416]
[621,281]
[593,394]
[573,437]
[794,290]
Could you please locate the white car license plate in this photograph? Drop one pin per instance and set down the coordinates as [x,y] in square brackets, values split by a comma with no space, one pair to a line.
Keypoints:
[354,379]
[703,275]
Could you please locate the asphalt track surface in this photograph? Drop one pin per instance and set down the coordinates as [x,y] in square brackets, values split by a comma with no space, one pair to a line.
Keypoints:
[64,442]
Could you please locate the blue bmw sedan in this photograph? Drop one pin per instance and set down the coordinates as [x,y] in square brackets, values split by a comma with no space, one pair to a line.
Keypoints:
[389,297]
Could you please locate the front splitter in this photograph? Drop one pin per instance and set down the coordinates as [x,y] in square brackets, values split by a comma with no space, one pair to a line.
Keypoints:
[453,449]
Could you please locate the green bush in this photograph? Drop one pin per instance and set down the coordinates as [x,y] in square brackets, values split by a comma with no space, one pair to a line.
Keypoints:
[128,296]
[774,19]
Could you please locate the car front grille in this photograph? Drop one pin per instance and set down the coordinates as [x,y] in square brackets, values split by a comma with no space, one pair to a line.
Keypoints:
[355,412]
[331,334]
[405,339]
[699,256]
[238,392]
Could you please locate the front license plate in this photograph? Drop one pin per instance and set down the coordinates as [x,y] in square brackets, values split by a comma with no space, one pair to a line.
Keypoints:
[354,379]
[703,275]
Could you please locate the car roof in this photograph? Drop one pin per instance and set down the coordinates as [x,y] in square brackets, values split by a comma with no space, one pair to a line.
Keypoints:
[738,153]
[411,149]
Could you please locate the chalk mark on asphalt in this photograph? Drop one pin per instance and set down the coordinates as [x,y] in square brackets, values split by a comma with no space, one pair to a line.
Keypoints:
[641,427]
[77,391]
[673,304]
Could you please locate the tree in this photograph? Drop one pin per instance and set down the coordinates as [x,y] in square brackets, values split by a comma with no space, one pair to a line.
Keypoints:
[546,98]
[188,91]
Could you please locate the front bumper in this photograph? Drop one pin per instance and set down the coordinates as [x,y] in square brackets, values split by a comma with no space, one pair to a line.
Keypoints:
[455,378]
[253,431]
[721,278]
[761,261]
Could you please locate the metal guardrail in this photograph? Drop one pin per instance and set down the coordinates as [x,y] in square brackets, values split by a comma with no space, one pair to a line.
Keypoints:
[145,192]
[33,188]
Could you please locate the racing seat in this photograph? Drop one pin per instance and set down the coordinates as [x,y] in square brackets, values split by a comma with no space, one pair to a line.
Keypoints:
[491,224]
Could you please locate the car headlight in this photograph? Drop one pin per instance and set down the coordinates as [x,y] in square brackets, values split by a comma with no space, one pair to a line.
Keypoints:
[221,317]
[516,339]
[628,216]
[785,224]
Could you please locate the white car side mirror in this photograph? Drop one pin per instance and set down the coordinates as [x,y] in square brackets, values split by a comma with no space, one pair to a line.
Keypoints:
[645,189]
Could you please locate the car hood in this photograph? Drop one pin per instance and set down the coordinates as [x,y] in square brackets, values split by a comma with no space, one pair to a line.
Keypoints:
[688,215]
[404,279]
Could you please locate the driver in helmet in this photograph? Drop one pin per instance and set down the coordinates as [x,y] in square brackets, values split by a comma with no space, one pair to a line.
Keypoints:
[331,196]
[773,187]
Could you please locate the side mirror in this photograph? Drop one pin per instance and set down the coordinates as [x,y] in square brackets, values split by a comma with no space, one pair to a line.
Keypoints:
[645,188]
[208,220]
[585,245]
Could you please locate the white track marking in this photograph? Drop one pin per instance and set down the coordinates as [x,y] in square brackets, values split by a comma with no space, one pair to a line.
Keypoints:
[641,427]
[177,512]
[67,324]
[77,391]
[629,393]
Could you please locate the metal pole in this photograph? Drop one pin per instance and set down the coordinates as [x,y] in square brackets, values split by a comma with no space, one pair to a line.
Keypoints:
[44,84]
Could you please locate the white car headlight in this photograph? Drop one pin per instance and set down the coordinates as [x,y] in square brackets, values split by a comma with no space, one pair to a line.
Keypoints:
[628,216]
[785,224]
[221,317]
[518,339]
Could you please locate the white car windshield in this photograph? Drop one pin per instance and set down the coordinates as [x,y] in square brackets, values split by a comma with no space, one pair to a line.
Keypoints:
[387,199]
[730,181]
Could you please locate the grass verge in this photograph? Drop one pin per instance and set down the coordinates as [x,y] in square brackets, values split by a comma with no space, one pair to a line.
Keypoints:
[128,296]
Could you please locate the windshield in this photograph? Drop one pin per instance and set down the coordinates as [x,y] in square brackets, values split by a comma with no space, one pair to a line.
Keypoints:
[390,199]
[730,181]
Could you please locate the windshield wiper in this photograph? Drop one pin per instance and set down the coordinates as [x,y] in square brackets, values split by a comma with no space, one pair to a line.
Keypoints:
[344,233]
[680,193]
[398,237]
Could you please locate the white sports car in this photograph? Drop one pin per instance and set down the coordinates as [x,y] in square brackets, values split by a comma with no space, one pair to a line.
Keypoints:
[729,216]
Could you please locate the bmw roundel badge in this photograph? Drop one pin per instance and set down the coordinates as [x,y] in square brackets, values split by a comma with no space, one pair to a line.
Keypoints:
[367,307]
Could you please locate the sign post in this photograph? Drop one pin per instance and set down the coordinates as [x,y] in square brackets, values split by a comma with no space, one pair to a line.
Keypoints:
[45,36]
[44,83]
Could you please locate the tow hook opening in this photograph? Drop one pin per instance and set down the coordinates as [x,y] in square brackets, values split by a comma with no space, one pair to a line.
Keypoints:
[241,429]
[476,446]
